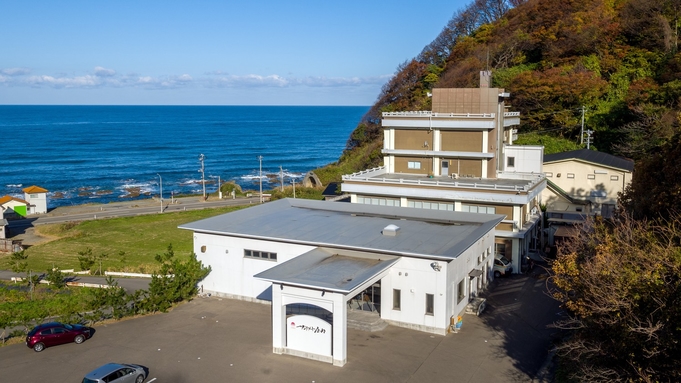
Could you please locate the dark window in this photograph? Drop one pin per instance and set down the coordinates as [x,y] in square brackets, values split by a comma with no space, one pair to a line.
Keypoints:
[510,162]
[430,303]
[397,299]
[461,291]
[260,254]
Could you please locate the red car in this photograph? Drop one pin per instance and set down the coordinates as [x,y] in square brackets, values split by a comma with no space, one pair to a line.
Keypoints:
[54,333]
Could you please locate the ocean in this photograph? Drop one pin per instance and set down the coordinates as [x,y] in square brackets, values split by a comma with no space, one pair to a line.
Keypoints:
[100,154]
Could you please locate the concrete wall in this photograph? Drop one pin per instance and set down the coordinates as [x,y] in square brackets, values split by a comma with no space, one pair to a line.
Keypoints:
[232,273]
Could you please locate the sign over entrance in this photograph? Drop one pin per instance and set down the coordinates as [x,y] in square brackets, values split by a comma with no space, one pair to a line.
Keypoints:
[308,334]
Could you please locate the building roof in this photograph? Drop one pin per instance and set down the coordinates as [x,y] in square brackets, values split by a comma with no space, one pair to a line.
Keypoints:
[34,189]
[422,233]
[327,270]
[8,198]
[592,156]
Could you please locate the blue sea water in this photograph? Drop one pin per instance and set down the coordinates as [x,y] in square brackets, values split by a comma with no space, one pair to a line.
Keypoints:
[98,154]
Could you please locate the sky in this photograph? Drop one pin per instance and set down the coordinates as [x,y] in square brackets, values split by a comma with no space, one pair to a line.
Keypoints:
[226,52]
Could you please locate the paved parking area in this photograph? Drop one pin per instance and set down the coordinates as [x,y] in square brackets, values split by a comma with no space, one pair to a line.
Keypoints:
[221,340]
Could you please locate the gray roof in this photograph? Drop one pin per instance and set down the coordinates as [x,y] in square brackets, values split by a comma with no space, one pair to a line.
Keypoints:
[423,233]
[592,156]
[326,270]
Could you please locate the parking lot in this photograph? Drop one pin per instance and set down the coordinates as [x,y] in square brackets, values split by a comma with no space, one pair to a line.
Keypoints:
[220,340]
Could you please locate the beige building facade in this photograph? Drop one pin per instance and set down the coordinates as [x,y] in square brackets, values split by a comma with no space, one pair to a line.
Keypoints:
[460,157]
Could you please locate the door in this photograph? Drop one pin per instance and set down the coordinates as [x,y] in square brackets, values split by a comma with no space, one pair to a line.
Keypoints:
[445,168]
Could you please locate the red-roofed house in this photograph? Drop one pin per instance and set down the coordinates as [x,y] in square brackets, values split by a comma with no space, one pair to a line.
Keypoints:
[37,198]
[13,208]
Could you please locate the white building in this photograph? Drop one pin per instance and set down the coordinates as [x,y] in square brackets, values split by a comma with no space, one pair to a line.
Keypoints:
[37,198]
[311,259]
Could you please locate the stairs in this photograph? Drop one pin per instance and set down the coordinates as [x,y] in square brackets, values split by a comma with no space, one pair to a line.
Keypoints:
[366,321]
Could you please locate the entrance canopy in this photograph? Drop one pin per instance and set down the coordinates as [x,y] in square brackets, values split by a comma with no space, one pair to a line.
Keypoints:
[324,269]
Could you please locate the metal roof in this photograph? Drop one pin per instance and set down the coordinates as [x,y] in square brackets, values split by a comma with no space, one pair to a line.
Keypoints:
[326,270]
[592,156]
[423,233]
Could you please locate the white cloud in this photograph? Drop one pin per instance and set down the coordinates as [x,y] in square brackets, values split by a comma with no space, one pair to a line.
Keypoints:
[87,81]
[104,72]
[15,71]
[105,77]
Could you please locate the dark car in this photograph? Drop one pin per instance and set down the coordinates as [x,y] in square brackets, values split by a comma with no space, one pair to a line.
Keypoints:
[54,333]
[116,373]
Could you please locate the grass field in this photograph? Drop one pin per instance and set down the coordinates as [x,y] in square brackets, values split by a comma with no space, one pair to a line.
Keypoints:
[130,243]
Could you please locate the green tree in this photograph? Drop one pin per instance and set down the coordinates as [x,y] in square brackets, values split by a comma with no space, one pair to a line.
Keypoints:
[17,261]
[621,284]
[175,282]
[86,259]
[56,278]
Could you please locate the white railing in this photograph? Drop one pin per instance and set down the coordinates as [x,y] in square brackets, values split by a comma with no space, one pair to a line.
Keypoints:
[427,113]
[511,114]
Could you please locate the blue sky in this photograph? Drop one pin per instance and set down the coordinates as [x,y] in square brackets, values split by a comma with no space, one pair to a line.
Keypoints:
[210,52]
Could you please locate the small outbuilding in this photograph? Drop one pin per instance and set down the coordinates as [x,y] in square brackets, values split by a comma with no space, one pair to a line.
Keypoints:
[313,260]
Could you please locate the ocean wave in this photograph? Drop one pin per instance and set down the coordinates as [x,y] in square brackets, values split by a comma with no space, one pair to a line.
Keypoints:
[14,185]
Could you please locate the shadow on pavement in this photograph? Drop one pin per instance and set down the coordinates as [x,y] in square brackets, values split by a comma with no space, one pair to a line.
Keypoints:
[521,311]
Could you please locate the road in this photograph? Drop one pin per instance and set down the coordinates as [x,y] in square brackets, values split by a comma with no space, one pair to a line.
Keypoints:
[122,209]
[224,340]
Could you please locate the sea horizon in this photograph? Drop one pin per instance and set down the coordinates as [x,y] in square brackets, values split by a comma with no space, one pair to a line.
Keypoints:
[107,153]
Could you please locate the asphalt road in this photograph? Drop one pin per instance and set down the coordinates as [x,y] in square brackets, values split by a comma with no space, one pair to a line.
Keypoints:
[122,209]
[223,340]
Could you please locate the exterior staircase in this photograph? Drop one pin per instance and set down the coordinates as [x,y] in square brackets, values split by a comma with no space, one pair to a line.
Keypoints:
[366,321]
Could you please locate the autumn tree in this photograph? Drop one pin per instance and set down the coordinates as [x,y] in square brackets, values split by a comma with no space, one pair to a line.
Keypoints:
[621,285]
[655,188]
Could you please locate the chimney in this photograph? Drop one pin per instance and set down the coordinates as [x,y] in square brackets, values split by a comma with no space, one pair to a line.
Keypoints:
[485,77]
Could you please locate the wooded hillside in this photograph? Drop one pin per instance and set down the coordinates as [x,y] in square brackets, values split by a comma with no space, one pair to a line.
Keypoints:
[618,59]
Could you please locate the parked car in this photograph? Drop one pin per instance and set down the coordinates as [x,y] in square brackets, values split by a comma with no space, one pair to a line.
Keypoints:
[502,266]
[54,333]
[116,373]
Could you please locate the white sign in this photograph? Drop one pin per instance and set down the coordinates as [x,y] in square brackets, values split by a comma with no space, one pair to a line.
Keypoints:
[308,334]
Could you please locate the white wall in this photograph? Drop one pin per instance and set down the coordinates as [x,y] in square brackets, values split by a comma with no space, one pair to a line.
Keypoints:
[232,273]
[415,278]
[37,199]
[528,159]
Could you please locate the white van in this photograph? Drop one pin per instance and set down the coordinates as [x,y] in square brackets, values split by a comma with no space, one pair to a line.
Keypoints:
[502,266]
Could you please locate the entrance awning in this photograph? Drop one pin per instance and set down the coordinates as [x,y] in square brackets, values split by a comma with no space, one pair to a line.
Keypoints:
[324,270]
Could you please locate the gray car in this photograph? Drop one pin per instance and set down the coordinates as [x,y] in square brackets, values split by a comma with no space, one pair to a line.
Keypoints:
[116,373]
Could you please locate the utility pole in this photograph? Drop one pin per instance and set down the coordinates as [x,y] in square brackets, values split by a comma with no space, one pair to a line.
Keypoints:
[293,181]
[260,177]
[588,138]
[281,174]
[203,181]
[161,191]
[581,134]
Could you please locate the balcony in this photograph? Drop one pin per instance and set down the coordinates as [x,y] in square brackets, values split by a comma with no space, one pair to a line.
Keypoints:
[520,183]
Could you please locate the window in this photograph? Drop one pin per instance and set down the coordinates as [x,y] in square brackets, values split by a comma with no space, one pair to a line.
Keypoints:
[397,299]
[430,303]
[478,209]
[591,176]
[413,165]
[549,174]
[510,162]
[614,178]
[260,255]
[378,201]
[431,205]
[571,175]
[461,291]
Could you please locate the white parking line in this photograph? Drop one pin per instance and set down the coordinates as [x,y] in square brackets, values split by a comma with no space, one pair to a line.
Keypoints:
[151,380]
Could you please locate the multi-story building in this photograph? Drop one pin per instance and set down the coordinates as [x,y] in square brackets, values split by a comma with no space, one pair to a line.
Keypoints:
[460,157]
